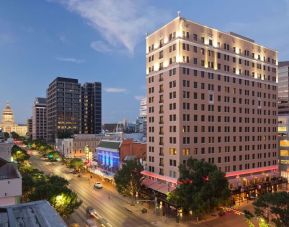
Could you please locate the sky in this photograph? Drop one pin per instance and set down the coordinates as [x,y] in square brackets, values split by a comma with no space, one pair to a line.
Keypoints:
[104,40]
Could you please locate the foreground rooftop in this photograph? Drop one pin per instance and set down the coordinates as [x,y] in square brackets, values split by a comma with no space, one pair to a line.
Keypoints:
[33,214]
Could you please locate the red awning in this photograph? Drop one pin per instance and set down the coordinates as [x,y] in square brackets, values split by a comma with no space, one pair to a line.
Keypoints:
[159,177]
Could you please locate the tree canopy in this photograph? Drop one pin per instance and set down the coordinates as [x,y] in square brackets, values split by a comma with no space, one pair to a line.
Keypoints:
[53,156]
[37,186]
[128,179]
[19,154]
[76,163]
[273,207]
[202,187]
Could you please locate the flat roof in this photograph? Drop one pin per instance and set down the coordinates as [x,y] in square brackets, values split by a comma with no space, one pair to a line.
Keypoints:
[34,214]
[8,170]
[283,63]
[232,34]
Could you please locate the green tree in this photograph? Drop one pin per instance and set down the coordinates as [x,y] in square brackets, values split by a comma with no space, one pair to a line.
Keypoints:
[6,135]
[65,202]
[53,156]
[19,154]
[129,178]
[202,188]
[14,135]
[76,163]
[38,186]
[273,207]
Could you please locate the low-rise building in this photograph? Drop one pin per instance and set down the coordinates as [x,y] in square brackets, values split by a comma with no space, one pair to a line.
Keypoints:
[33,214]
[10,184]
[132,149]
[79,144]
[107,155]
[5,150]
[65,148]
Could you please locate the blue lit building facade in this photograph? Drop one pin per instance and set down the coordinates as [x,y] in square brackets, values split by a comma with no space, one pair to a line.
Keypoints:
[107,155]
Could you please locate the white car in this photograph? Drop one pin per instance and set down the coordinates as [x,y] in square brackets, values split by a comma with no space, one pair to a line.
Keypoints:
[98,185]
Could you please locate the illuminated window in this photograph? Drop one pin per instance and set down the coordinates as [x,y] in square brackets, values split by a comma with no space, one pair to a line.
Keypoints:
[284,153]
[186,151]
[173,151]
[284,143]
[282,129]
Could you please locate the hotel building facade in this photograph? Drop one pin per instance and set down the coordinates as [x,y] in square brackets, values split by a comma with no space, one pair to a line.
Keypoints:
[211,96]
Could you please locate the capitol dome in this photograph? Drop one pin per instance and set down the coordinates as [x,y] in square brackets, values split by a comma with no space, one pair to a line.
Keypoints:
[7,123]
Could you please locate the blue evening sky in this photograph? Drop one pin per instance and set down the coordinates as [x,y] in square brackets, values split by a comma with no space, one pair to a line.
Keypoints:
[104,40]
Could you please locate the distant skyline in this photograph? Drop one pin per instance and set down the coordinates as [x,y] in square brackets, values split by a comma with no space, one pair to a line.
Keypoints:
[104,40]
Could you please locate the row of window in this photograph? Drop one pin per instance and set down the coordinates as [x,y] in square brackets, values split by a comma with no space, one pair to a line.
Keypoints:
[227,47]
[212,139]
[219,77]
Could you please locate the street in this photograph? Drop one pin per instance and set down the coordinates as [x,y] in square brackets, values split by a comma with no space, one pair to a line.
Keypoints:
[112,207]
[104,201]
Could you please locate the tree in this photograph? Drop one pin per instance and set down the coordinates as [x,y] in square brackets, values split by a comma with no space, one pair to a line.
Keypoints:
[66,202]
[272,207]
[202,188]
[128,179]
[53,156]
[76,163]
[38,186]
[6,135]
[19,154]
[14,135]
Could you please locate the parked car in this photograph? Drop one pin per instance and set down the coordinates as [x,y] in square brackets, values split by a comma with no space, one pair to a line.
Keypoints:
[98,185]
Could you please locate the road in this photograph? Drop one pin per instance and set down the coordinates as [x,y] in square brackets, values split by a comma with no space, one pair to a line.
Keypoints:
[109,205]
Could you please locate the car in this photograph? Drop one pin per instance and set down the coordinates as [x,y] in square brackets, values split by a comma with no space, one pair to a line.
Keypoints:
[98,185]
[74,171]
[90,211]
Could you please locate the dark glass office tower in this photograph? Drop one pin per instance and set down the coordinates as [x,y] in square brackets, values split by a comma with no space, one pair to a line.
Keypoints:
[91,108]
[63,108]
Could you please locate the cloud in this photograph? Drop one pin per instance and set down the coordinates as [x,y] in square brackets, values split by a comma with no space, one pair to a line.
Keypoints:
[100,46]
[115,90]
[71,60]
[138,97]
[120,22]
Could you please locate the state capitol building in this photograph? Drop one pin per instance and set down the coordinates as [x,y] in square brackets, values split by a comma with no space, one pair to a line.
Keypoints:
[8,124]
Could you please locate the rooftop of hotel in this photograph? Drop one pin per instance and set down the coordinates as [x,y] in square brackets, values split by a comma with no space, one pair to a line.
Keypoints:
[232,34]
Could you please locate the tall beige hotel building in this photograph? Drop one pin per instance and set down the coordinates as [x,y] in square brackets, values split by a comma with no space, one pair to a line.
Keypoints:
[212,96]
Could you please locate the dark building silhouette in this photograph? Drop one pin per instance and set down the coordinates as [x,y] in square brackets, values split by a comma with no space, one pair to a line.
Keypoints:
[91,108]
[63,108]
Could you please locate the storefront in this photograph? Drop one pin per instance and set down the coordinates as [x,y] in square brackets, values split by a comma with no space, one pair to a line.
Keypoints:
[107,155]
